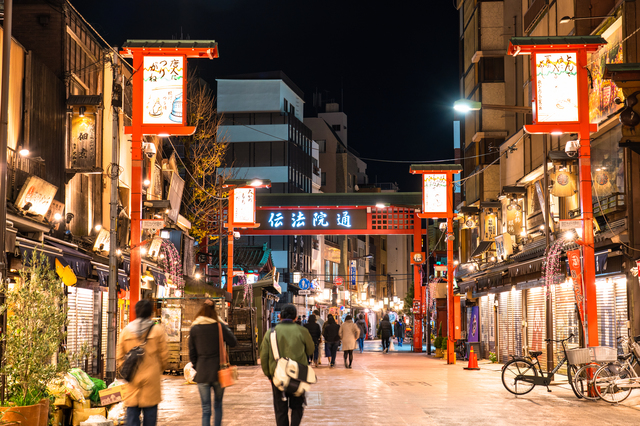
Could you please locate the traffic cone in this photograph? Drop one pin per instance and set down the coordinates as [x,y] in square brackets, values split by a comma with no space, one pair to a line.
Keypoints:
[473,361]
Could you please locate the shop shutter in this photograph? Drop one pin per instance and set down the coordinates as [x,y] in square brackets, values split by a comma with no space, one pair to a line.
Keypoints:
[486,311]
[105,326]
[536,320]
[622,313]
[565,320]
[492,323]
[80,329]
[606,297]
[505,318]
[516,325]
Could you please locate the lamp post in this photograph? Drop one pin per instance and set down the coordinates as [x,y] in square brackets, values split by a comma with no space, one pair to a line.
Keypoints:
[567,19]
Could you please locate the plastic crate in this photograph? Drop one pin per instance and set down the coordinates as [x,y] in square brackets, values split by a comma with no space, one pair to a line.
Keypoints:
[603,354]
[579,356]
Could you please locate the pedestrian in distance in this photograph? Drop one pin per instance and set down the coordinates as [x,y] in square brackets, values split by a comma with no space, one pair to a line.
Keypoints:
[386,331]
[294,342]
[362,325]
[320,322]
[304,319]
[349,333]
[143,391]
[204,354]
[331,336]
[399,330]
[299,320]
[316,334]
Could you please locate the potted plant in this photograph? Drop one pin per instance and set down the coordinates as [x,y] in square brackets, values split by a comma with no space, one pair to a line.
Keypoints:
[36,320]
[438,344]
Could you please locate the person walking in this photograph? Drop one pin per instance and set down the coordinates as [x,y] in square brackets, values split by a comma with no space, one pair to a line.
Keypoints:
[204,354]
[349,333]
[320,322]
[399,330]
[331,334]
[316,334]
[294,342]
[143,391]
[386,331]
[362,325]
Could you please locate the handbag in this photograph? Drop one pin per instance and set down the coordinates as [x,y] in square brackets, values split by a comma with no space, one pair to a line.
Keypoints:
[133,358]
[228,374]
[290,377]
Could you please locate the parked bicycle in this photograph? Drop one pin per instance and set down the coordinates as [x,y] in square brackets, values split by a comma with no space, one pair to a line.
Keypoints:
[593,359]
[461,349]
[519,375]
[614,382]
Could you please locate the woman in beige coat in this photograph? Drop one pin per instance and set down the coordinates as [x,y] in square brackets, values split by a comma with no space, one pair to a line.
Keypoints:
[349,333]
[143,392]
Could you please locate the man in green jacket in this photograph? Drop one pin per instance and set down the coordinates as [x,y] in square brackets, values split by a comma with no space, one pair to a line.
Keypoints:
[295,343]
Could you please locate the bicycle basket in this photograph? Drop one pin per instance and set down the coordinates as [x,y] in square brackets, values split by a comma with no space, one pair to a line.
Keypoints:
[603,354]
[579,356]
[635,348]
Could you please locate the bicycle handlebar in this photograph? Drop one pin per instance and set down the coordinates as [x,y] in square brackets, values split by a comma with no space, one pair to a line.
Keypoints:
[560,340]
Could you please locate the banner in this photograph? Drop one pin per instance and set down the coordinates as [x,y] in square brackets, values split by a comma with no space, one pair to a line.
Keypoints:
[575,266]
[474,325]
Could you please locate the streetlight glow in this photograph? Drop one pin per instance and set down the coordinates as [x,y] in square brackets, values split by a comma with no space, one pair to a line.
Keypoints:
[466,105]
[256,183]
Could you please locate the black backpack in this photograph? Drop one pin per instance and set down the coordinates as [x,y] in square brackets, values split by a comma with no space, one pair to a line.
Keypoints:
[133,358]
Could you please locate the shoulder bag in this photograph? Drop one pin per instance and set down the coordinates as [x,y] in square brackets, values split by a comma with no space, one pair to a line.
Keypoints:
[290,377]
[228,374]
[133,358]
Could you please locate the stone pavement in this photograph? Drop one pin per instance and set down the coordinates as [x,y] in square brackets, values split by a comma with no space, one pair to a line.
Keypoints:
[400,388]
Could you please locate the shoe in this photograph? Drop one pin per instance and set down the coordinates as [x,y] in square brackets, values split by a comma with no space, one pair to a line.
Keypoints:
[345,364]
[349,366]
[386,351]
[331,365]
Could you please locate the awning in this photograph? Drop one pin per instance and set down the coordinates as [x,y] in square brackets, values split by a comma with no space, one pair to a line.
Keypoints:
[157,273]
[27,248]
[482,247]
[79,262]
[103,276]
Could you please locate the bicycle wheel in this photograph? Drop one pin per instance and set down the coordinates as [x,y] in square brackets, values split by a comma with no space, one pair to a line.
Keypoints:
[512,376]
[571,373]
[609,382]
[461,350]
[583,379]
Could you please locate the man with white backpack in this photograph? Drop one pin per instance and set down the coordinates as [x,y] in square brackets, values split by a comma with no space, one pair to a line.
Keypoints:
[283,355]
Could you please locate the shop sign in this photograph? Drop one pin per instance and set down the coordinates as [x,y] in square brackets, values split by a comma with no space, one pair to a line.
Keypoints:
[83,142]
[163,83]
[434,193]
[103,240]
[504,246]
[603,92]
[244,205]
[556,87]
[474,325]
[312,219]
[37,192]
[416,306]
[353,273]
[176,187]
[575,266]
[490,226]
[514,221]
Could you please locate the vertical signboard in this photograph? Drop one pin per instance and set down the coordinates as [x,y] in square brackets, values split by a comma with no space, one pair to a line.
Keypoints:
[556,87]
[83,142]
[244,205]
[176,187]
[353,273]
[434,193]
[163,86]
[573,257]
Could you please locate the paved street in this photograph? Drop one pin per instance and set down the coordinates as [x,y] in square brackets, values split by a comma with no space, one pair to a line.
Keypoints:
[399,388]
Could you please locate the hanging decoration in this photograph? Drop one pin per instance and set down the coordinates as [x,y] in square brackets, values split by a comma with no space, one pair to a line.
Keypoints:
[248,287]
[552,265]
[171,264]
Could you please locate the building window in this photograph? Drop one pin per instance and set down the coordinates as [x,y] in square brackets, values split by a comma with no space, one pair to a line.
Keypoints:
[292,110]
[322,145]
[286,105]
[335,127]
[323,178]
[492,69]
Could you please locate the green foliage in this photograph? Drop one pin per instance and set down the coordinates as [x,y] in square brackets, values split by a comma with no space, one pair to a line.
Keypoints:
[438,342]
[445,341]
[35,331]
[440,328]
[492,357]
[408,300]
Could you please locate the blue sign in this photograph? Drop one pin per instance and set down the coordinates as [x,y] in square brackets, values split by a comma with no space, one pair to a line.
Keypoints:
[353,272]
[304,284]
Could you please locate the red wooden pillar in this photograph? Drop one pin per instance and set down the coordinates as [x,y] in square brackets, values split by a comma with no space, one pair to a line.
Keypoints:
[451,319]
[230,260]
[417,286]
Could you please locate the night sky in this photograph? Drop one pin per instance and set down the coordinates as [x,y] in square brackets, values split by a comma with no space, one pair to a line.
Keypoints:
[393,65]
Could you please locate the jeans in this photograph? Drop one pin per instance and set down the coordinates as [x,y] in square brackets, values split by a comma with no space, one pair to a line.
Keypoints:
[361,343]
[385,343]
[333,348]
[400,340]
[281,408]
[149,416]
[205,400]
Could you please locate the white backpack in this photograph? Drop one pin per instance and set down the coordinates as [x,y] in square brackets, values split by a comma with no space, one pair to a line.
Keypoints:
[290,377]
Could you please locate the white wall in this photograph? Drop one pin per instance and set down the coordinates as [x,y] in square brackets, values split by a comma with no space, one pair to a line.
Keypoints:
[255,133]
[257,96]
[277,174]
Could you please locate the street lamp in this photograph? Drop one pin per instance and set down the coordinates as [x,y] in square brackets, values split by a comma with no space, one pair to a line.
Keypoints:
[567,19]
[466,105]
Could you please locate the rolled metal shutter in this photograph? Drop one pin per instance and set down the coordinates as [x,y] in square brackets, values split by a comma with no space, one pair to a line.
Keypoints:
[536,320]
[622,304]
[516,325]
[606,297]
[105,323]
[505,317]
[486,311]
[80,329]
[565,320]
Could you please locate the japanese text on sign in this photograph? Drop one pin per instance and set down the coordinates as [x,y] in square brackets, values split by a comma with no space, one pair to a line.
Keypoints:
[163,83]
[434,193]
[306,219]
[556,87]
[244,205]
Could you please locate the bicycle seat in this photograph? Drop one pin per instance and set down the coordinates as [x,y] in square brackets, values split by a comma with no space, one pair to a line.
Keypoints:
[535,353]
[624,357]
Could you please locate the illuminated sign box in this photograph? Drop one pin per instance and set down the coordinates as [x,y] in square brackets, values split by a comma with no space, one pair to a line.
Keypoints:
[556,82]
[312,219]
[434,193]
[244,205]
[163,87]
